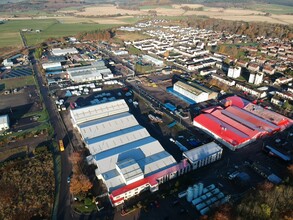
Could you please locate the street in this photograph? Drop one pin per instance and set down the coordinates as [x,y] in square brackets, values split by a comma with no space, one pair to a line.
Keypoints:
[64,208]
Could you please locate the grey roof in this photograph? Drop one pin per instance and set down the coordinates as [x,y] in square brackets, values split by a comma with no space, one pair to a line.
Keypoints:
[123,150]
[130,170]
[106,125]
[85,114]
[202,152]
[115,139]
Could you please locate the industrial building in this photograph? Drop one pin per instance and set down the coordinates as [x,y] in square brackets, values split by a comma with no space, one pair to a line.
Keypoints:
[4,123]
[153,60]
[194,91]
[63,52]
[52,66]
[128,159]
[203,155]
[96,71]
[237,124]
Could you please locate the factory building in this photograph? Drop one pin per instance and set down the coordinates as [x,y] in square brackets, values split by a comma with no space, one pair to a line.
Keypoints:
[194,91]
[153,60]
[239,122]
[4,123]
[63,52]
[127,158]
[203,155]
[95,71]
[52,66]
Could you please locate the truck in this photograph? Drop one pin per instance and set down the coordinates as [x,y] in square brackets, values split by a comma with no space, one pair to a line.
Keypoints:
[61,146]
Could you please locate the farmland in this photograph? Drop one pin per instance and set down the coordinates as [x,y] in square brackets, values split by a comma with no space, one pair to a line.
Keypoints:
[72,20]
[49,28]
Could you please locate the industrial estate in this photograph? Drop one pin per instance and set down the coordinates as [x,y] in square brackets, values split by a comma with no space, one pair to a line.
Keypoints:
[168,124]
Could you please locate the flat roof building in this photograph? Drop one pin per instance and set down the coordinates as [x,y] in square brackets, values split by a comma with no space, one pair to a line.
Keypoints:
[123,151]
[203,155]
[96,71]
[63,52]
[194,91]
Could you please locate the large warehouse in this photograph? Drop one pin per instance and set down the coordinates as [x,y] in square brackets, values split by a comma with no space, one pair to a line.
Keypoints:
[237,124]
[194,91]
[96,71]
[128,159]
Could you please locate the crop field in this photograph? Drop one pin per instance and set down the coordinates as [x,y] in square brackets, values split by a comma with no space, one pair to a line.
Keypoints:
[106,16]
[9,31]
[279,13]
[272,8]
[59,30]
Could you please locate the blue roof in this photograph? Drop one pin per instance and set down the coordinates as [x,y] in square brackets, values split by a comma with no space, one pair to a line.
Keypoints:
[114,134]
[170,106]
[182,97]
[123,148]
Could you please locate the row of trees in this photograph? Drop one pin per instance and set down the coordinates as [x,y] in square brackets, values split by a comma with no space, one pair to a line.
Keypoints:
[80,183]
[96,35]
[252,29]
[266,202]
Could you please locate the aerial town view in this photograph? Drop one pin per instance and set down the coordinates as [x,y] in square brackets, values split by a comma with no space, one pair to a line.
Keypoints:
[146,109]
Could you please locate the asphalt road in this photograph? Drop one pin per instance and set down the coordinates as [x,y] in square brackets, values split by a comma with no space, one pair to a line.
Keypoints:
[64,209]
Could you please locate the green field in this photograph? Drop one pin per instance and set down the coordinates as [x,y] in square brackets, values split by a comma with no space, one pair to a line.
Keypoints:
[271,8]
[60,30]
[17,82]
[9,31]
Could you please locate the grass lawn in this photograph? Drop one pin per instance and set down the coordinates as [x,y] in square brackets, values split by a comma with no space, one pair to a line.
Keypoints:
[130,20]
[131,36]
[81,207]
[131,49]
[18,82]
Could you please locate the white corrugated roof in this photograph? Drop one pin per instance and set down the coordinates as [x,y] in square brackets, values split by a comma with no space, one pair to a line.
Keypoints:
[115,139]
[107,125]
[122,149]
[202,152]
[81,115]
[130,170]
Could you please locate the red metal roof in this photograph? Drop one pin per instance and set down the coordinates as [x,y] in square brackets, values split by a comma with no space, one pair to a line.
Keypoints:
[261,123]
[152,180]
[237,101]
[221,129]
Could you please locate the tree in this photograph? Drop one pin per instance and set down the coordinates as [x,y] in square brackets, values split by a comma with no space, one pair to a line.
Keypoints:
[80,183]
[38,53]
